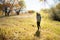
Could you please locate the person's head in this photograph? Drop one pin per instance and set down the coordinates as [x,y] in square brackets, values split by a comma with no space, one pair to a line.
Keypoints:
[37,13]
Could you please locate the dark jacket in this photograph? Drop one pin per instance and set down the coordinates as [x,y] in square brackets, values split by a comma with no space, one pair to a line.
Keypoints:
[38,17]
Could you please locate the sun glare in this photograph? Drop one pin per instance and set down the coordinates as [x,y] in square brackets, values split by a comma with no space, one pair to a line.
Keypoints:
[35,5]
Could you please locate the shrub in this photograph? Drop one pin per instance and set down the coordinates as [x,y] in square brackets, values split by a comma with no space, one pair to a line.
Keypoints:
[55,13]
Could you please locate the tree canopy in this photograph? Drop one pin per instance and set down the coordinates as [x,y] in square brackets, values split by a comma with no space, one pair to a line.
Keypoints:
[20,3]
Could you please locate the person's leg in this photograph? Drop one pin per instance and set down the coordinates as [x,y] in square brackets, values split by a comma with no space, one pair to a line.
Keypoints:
[38,25]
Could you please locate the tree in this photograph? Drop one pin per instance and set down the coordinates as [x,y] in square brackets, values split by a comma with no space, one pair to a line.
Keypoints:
[11,4]
[20,6]
[56,12]
[6,7]
[58,6]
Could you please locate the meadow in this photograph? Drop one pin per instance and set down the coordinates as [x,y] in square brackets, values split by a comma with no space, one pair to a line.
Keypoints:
[23,27]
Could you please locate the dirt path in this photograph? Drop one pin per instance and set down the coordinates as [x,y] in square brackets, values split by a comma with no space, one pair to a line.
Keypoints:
[24,16]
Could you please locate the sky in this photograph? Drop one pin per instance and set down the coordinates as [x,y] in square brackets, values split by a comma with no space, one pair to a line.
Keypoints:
[37,5]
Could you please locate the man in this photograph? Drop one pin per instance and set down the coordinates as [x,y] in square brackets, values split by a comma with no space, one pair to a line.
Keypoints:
[38,17]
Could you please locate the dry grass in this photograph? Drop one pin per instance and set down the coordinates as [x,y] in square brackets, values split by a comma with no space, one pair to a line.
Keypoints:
[14,28]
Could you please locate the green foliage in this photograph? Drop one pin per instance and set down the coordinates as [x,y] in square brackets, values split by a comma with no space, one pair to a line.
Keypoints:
[45,10]
[22,4]
[55,12]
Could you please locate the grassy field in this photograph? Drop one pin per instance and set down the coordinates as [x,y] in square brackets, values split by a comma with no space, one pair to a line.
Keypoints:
[24,28]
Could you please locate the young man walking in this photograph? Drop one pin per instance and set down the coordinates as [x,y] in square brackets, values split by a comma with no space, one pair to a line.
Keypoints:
[38,17]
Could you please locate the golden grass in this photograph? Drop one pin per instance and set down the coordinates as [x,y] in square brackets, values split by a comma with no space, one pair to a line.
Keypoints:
[50,28]
[14,28]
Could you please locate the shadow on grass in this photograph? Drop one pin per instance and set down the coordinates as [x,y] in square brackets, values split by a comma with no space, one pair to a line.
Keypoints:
[7,16]
[2,16]
[37,34]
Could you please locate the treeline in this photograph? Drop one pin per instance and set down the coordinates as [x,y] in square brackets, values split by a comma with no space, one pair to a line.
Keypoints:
[16,6]
[54,12]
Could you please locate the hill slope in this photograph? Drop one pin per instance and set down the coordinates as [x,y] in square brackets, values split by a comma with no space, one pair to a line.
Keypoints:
[23,27]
